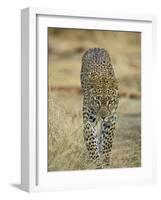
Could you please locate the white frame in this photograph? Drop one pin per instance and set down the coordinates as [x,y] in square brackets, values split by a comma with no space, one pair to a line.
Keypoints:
[34,176]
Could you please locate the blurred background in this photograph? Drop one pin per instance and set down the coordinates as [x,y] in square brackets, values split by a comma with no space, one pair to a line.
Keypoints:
[66,47]
[66,148]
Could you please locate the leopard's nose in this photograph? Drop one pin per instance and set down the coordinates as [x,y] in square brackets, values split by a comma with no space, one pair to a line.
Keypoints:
[103,114]
[103,117]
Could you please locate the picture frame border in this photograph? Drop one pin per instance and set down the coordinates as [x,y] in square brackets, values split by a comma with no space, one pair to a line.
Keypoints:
[29,136]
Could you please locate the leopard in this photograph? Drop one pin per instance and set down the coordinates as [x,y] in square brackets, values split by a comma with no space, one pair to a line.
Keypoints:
[100,102]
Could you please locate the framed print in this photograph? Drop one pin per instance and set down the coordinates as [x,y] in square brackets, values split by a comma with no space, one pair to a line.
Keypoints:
[86,107]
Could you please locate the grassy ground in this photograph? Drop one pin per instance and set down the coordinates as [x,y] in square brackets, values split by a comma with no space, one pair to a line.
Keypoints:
[66,148]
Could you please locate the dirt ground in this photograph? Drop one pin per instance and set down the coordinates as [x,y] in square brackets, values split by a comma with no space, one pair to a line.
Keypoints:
[66,148]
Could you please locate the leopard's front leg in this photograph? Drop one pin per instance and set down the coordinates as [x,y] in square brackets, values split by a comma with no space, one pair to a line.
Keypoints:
[90,135]
[106,137]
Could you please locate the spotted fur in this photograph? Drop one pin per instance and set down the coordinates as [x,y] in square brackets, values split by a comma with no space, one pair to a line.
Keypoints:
[100,102]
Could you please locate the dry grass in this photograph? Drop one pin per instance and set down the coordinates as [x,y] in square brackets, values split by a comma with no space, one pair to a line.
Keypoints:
[66,148]
[65,140]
